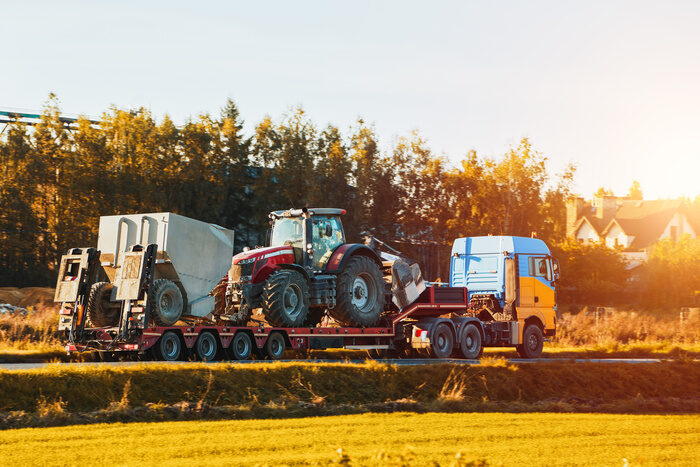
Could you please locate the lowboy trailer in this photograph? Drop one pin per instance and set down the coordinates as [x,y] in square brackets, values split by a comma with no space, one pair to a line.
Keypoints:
[425,328]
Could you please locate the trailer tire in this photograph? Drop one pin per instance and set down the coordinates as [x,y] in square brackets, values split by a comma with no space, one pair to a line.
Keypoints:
[166,302]
[169,347]
[99,312]
[207,347]
[241,346]
[533,341]
[470,345]
[359,293]
[275,346]
[285,298]
[441,342]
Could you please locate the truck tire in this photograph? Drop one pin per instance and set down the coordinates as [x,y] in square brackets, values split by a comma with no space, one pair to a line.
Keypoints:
[285,298]
[241,346]
[470,345]
[99,311]
[359,293]
[207,347]
[442,342]
[275,346]
[169,347]
[166,302]
[533,341]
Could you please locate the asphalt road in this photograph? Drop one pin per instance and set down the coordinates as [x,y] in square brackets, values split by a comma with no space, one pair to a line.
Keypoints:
[408,362]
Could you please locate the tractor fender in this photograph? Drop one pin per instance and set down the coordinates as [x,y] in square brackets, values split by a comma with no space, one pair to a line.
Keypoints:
[460,323]
[296,267]
[429,324]
[344,253]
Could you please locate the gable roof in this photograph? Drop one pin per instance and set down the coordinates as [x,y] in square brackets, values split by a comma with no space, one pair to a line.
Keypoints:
[644,220]
[594,222]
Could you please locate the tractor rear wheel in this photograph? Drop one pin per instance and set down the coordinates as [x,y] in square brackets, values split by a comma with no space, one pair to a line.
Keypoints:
[285,298]
[359,294]
[166,302]
[100,311]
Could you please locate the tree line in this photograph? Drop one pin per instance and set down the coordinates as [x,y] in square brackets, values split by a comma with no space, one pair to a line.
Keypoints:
[56,181]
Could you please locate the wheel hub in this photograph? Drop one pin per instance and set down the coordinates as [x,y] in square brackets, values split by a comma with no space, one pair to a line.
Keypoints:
[360,293]
[291,301]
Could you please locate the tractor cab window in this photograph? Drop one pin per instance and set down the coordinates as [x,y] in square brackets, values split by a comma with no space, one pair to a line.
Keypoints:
[540,267]
[327,235]
[288,231]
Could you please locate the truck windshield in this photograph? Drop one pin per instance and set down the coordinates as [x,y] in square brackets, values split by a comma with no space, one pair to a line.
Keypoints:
[287,231]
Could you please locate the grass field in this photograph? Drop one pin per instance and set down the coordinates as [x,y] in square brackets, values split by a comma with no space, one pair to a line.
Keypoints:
[370,439]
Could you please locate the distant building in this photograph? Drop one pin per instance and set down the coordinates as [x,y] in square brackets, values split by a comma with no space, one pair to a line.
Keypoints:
[631,225]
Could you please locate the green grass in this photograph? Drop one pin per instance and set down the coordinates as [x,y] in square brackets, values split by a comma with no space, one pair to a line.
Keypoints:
[369,439]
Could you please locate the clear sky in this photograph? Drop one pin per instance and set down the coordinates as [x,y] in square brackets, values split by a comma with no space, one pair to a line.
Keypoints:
[613,86]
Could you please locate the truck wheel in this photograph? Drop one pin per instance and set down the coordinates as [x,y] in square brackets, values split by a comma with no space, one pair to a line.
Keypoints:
[359,293]
[166,302]
[533,341]
[274,347]
[241,346]
[100,311]
[169,347]
[285,299]
[442,342]
[470,345]
[206,347]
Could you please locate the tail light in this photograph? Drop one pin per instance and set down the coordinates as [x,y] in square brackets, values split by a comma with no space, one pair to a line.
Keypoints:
[131,346]
[65,311]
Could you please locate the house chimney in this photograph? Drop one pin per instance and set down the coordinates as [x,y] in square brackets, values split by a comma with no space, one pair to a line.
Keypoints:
[574,209]
[606,206]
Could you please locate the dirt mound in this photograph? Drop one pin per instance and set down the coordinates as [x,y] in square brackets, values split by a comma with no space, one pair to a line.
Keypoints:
[34,296]
[38,297]
[11,295]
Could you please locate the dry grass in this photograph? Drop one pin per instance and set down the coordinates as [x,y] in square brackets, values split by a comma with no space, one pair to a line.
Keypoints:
[629,327]
[370,439]
[89,388]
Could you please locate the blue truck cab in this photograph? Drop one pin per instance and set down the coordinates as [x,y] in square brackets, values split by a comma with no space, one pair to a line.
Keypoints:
[510,283]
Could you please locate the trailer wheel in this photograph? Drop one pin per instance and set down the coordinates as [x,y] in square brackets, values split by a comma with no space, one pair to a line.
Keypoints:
[442,342]
[359,293]
[470,345]
[100,311]
[533,341]
[274,347]
[169,347]
[241,346]
[206,347]
[285,299]
[166,302]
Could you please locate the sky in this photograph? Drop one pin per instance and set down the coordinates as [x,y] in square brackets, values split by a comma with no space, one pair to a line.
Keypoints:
[610,86]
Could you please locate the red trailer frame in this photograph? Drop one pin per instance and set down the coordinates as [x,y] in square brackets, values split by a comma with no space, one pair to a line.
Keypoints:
[423,315]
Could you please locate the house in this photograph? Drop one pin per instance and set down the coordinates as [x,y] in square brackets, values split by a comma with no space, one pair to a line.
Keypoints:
[631,225]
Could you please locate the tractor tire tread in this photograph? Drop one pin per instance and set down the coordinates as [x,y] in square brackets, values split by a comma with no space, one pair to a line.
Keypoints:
[344,311]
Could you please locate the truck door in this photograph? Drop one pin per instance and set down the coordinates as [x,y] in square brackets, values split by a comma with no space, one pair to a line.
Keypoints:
[536,281]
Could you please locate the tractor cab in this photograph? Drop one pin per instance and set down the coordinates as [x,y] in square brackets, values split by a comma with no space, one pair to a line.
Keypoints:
[313,234]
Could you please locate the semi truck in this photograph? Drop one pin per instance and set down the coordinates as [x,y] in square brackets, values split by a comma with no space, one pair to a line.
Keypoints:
[310,289]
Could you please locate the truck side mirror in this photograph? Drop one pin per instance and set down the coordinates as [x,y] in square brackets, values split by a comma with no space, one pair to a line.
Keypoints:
[555,268]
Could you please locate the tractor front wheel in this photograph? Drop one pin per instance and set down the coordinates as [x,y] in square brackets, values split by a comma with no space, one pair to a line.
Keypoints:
[359,294]
[285,298]
[167,303]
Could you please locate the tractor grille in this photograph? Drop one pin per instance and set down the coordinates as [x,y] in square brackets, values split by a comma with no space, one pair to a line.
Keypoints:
[241,270]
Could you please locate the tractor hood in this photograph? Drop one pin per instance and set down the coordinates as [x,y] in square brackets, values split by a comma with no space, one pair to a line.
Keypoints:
[260,253]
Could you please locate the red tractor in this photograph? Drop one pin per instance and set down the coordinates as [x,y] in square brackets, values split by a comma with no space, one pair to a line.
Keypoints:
[307,269]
